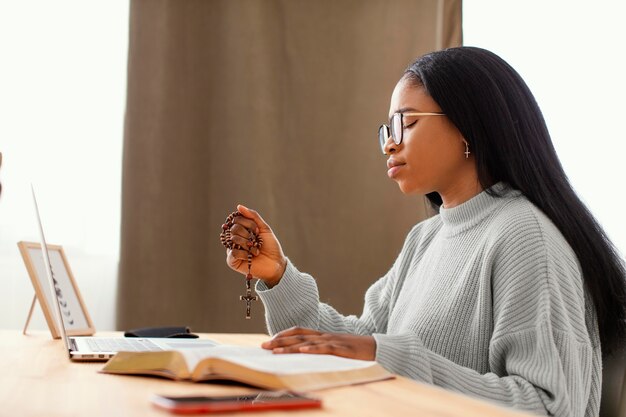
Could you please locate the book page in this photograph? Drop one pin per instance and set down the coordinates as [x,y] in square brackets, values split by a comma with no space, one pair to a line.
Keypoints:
[264,360]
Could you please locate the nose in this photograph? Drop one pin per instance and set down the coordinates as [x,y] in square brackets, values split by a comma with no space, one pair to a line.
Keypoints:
[390,146]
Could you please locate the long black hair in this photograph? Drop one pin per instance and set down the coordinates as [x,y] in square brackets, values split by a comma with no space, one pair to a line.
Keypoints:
[496,113]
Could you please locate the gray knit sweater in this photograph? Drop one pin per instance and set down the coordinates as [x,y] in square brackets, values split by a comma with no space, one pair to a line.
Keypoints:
[485,298]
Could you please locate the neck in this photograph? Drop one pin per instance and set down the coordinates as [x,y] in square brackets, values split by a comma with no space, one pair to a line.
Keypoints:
[460,191]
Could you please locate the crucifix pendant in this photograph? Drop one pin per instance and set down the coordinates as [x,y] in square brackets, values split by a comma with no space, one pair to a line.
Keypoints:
[248,297]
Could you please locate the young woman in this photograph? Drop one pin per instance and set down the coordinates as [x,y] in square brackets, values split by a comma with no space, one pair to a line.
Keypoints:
[511,293]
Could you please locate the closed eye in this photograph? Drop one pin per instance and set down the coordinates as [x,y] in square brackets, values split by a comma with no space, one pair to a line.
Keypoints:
[409,124]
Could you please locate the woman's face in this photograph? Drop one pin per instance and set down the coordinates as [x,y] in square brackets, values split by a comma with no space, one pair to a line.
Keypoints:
[431,156]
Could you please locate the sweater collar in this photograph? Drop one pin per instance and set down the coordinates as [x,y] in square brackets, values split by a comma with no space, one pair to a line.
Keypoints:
[476,208]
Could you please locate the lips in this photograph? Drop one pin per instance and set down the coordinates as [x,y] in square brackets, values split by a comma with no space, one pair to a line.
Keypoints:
[394,166]
[393,163]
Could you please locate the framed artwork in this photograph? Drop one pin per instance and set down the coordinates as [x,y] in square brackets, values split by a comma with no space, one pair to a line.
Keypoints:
[73,311]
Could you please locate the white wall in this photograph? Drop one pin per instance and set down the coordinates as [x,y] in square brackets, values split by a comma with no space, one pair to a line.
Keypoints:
[572,55]
[62,99]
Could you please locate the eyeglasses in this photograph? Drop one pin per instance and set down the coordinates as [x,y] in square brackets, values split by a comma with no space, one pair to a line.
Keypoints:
[396,127]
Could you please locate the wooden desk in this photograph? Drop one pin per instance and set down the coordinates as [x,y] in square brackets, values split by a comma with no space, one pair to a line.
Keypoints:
[37,379]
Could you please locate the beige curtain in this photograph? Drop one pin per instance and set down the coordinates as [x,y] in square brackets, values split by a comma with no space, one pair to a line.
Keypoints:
[274,104]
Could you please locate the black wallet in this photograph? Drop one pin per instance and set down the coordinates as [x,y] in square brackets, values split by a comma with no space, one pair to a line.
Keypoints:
[171,331]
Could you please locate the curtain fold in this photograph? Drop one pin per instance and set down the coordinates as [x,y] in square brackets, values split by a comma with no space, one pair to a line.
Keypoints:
[274,104]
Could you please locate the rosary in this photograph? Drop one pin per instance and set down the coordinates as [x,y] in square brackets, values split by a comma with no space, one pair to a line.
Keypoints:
[254,241]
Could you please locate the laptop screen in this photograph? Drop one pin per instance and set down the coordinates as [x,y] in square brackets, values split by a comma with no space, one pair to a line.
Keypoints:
[51,281]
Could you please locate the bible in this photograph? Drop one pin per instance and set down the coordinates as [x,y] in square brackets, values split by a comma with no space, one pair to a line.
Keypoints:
[250,365]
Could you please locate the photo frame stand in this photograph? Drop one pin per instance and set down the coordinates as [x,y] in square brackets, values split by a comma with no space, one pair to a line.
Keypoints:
[30,314]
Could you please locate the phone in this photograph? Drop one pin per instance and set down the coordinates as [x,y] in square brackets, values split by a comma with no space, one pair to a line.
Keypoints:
[262,400]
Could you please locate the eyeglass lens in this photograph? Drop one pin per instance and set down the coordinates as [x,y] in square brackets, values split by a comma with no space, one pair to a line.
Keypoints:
[394,129]
[383,136]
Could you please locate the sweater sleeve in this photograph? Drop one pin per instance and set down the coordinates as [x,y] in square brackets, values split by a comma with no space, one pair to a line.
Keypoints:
[294,301]
[282,312]
[544,354]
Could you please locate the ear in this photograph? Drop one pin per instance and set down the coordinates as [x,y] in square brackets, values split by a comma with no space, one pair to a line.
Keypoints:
[467,151]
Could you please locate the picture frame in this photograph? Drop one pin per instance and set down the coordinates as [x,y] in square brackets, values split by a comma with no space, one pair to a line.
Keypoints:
[74,312]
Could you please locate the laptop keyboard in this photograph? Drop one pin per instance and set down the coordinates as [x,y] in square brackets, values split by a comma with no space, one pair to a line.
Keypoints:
[121,345]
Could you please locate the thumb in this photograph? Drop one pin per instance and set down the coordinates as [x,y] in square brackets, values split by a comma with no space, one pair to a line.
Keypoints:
[252,214]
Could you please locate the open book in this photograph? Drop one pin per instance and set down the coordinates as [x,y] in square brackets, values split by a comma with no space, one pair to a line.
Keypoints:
[250,365]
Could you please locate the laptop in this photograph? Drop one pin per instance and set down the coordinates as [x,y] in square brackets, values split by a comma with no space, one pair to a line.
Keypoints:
[94,348]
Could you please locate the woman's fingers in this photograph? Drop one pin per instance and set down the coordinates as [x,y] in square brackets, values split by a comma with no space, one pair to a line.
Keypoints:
[287,341]
[252,214]
[315,344]
[238,240]
[326,349]
[298,340]
[239,230]
[246,230]
[245,244]
[290,337]
[240,236]
[248,224]
[242,255]
[296,344]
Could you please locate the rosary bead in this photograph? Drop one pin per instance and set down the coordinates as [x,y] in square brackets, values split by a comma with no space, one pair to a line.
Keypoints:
[254,241]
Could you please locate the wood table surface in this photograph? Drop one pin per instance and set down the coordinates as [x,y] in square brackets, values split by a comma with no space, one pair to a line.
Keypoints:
[38,379]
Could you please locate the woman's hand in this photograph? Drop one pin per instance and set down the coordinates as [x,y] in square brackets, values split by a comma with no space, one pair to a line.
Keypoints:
[299,340]
[268,262]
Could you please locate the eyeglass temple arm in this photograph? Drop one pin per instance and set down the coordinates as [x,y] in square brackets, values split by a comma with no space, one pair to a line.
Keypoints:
[423,114]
